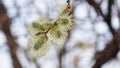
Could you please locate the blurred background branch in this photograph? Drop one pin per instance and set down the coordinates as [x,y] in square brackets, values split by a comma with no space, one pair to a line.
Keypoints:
[112,48]
[13,46]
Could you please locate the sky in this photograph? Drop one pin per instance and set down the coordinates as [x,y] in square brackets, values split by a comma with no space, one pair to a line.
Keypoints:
[23,12]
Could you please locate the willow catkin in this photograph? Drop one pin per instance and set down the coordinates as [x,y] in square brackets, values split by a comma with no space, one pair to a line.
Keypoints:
[43,33]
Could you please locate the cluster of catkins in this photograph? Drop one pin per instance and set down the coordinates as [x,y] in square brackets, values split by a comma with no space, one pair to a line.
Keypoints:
[44,33]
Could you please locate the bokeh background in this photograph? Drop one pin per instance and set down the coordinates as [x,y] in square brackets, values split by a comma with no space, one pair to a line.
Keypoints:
[94,41]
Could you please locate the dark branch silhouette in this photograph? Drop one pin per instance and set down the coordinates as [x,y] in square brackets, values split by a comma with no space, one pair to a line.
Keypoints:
[112,48]
[5,22]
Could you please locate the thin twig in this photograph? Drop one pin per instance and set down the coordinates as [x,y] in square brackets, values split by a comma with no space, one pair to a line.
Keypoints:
[68,6]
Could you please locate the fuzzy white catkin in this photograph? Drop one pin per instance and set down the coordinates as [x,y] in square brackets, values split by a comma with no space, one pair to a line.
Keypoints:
[49,33]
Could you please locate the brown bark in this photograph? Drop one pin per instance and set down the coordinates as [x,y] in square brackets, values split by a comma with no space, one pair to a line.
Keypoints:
[112,48]
[62,52]
[5,22]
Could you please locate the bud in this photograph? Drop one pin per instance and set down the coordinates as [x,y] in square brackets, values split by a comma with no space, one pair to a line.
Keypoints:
[57,36]
[65,22]
[38,46]
[40,42]
[38,27]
